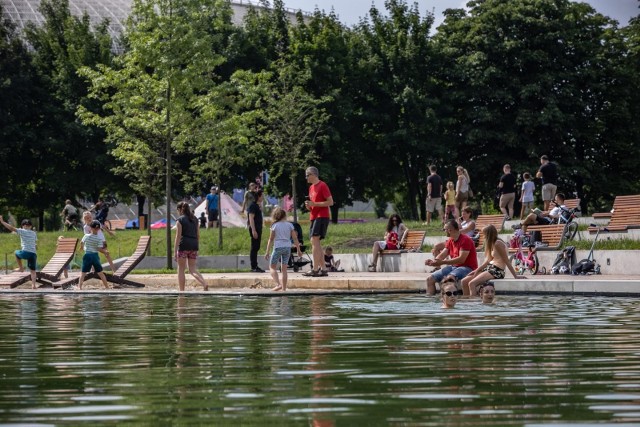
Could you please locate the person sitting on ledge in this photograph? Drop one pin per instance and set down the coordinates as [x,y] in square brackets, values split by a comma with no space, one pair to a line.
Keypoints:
[545,218]
[459,256]
[394,238]
[495,262]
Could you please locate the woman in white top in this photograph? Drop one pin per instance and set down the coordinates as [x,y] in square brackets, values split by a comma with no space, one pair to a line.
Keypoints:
[281,235]
[462,188]
[466,222]
[394,238]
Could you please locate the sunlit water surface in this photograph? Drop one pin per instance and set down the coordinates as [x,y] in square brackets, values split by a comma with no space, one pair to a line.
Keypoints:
[322,361]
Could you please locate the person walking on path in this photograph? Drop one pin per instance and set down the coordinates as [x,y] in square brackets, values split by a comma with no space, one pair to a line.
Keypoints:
[434,194]
[28,242]
[280,237]
[462,188]
[549,174]
[254,221]
[526,197]
[187,245]
[93,244]
[507,188]
[213,203]
[320,200]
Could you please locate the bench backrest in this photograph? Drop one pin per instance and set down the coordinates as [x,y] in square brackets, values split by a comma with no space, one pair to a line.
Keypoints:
[552,235]
[65,250]
[414,240]
[135,258]
[482,221]
[572,203]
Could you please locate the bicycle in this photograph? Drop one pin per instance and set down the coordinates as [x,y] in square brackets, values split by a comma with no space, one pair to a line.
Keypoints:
[567,217]
[524,262]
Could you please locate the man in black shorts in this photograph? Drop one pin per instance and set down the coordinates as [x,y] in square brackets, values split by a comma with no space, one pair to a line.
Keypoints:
[318,204]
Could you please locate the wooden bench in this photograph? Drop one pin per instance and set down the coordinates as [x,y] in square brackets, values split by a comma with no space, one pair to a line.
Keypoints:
[413,243]
[482,221]
[572,203]
[552,236]
[622,219]
[118,224]
[619,202]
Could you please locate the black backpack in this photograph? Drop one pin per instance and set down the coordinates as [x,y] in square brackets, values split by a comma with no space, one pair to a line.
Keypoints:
[565,260]
[585,266]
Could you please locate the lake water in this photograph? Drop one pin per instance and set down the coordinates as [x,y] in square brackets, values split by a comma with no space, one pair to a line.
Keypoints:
[321,361]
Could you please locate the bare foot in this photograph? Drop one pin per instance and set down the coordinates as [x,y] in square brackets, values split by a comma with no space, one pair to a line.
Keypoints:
[277,288]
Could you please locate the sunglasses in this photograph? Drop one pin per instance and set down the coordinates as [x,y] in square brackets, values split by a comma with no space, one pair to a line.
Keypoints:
[450,294]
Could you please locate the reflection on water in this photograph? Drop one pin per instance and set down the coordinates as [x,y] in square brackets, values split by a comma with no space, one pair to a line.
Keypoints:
[319,361]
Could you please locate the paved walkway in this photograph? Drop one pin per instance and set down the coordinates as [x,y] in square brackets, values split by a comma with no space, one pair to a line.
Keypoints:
[359,283]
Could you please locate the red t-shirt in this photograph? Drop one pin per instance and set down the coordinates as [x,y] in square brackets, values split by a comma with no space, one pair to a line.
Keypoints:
[464,243]
[319,192]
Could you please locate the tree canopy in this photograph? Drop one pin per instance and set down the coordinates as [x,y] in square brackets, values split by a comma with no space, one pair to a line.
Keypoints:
[372,105]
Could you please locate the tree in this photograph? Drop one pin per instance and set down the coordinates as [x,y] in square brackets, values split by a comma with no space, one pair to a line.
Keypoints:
[155,92]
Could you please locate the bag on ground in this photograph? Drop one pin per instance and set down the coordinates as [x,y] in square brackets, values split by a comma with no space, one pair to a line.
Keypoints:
[585,266]
[564,261]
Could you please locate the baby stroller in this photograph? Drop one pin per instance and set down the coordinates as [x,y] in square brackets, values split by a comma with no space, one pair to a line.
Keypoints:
[296,262]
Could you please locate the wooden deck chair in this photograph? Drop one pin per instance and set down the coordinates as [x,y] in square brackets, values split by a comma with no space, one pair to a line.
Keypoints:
[65,251]
[118,277]
[15,279]
[627,201]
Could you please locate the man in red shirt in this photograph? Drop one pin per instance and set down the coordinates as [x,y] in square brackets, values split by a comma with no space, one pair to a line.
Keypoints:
[318,204]
[463,259]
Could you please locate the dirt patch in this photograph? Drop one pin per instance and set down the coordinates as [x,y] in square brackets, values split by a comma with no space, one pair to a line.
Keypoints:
[358,242]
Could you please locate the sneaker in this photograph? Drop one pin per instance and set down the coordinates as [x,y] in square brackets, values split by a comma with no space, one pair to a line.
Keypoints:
[257,270]
[516,226]
[507,218]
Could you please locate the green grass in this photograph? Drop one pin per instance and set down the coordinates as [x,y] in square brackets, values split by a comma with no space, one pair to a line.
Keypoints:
[344,238]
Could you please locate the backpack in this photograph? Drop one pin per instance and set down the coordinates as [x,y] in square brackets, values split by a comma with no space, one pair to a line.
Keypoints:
[564,261]
[585,266]
[392,240]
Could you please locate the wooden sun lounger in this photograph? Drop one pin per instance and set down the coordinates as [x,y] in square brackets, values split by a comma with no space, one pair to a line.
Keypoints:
[65,251]
[482,221]
[619,202]
[15,279]
[118,277]
[622,219]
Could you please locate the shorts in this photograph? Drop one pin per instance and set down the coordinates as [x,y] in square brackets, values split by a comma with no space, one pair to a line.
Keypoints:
[91,259]
[549,192]
[543,220]
[30,257]
[319,227]
[461,199]
[433,204]
[459,272]
[187,254]
[213,215]
[507,200]
[496,272]
[450,209]
[280,255]
[527,206]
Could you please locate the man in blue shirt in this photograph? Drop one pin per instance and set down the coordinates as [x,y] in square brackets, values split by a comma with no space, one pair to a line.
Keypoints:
[213,204]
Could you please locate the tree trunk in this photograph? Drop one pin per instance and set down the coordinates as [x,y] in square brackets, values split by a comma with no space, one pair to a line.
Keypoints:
[148,224]
[294,197]
[220,217]
[168,180]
